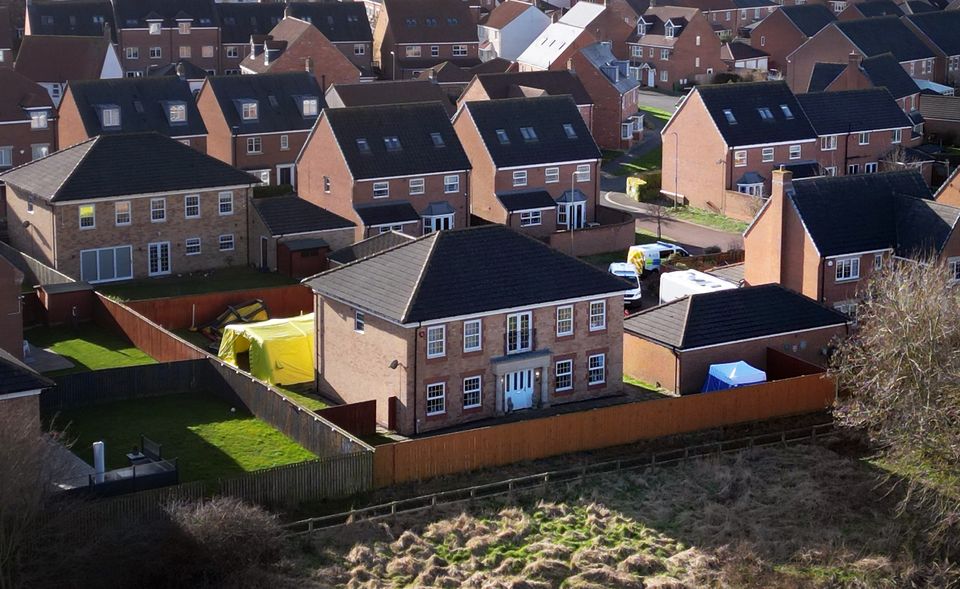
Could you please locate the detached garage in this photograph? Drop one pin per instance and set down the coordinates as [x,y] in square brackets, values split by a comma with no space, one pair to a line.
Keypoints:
[674,345]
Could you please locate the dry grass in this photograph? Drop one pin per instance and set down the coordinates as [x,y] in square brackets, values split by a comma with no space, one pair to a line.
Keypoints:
[795,517]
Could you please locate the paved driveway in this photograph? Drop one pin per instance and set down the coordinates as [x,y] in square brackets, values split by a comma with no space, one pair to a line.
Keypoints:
[658,100]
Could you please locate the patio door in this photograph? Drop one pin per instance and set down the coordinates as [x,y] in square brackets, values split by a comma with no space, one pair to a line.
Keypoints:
[518,390]
[158,258]
[572,215]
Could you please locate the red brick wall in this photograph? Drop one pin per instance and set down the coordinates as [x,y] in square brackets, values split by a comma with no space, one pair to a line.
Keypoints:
[330,66]
[691,146]
[22,138]
[682,62]
[610,107]
[779,37]
[827,46]
[170,41]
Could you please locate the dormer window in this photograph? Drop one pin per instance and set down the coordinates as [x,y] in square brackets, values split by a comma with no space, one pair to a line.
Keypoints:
[154,27]
[570,131]
[641,28]
[765,114]
[177,113]
[309,107]
[528,133]
[732,120]
[452,20]
[249,110]
[110,116]
[668,31]
[786,111]
[431,22]
[184,27]
[437,139]
[411,22]
[392,143]
[362,145]
[502,137]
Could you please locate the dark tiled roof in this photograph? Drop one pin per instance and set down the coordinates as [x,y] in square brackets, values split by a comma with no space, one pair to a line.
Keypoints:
[278,99]
[84,18]
[825,74]
[809,18]
[58,59]
[941,108]
[732,315]
[286,215]
[744,101]
[190,70]
[504,14]
[547,116]
[850,214]
[803,169]
[919,7]
[238,21]
[17,93]
[143,104]
[731,272]
[850,111]
[368,247]
[430,21]
[942,28]
[391,92]
[134,13]
[393,213]
[120,165]
[424,279]
[875,8]
[17,377]
[553,83]
[885,71]
[526,201]
[412,125]
[339,22]
[874,36]
[740,50]
[450,73]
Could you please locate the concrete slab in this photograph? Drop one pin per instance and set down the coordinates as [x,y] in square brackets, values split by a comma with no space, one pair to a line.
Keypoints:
[43,360]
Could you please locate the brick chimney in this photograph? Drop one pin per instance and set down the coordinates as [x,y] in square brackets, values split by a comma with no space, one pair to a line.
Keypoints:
[763,243]
[851,77]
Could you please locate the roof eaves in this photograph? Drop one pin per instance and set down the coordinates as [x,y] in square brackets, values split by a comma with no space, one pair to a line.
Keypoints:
[686,318]
[405,317]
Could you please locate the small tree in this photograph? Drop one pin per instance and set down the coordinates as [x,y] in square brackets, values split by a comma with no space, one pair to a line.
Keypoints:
[900,377]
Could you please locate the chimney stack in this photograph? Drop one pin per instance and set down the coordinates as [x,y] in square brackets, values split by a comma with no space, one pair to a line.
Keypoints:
[181,70]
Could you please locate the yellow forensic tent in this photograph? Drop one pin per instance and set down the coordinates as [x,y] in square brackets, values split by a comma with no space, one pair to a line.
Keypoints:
[281,350]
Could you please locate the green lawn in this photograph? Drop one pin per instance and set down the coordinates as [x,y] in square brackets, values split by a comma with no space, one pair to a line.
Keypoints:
[304,399]
[88,347]
[655,112]
[648,162]
[194,337]
[610,154]
[208,440]
[639,383]
[708,218]
[226,279]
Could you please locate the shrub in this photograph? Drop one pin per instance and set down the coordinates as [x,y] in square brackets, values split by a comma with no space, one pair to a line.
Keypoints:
[713,249]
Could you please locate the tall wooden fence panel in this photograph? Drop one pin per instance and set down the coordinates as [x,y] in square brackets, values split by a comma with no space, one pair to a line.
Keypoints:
[145,334]
[34,271]
[360,419]
[120,384]
[182,312]
[429,457]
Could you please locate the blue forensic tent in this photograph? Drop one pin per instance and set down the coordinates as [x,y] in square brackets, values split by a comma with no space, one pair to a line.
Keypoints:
[732,375]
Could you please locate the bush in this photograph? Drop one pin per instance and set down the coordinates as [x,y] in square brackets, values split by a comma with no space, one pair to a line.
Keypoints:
[713,249]
[725,78]
[651,191]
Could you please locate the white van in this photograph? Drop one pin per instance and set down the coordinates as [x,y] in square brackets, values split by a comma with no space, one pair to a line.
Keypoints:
[646,257]
[674,285]
[629,272]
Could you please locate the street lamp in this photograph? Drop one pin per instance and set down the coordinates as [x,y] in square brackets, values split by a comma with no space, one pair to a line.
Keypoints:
[723,186]
[393,63]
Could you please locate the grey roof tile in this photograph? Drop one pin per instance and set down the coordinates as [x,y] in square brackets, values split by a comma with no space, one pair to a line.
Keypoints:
[744,102]
[851,111]
[286,215]
[278,100]
[17,377]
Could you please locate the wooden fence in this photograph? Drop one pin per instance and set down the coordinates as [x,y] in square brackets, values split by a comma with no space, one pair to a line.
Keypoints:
[120,384]
[424,458]
[182,312]
[34,271]
[360,419]
[145,334]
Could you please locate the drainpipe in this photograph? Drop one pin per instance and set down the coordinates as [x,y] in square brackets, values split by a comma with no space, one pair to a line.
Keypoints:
[234,130]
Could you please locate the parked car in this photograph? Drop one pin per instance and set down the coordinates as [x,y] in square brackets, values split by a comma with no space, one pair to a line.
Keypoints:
[646,258]
[629,272]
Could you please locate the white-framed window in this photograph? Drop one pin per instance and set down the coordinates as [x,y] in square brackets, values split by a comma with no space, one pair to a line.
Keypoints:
[848,269]
[158,210]
[828,143]
[88,216]
[763,40]
[434,51]
[870,168]
[472,335]
[598,315]
[583,173]
[185,52]
[530,218]
[206,51]
[254,145]
[751,189]
[853,169]
[878,261]
[740,158]
[664,54]
[310,107]
[472,387]
[121,213]
[249,111]
[225,202]
[154,28]
[177,113]
[563,370]
[849,309]
[459,50]
[664,76]
[519,332]
[412,51]
[897,136]
[953,265]
[133,52]
[183,28]
[191,246]
[284,142]
[451,184]
[433,223]
[381,189]
[696,62]
[156,53]
[864,138]
[39,119]
[358,322]
[6,156]
[226,242]
[416,186]
[436,398]
[39,150]
[795,152]
[519,177]
[597,369]
[264,176]
[233,52]
[359,49]
[830,170]
[564,320]
[106,264]
[326,184]
[551,175]
[436,341]
[767,154]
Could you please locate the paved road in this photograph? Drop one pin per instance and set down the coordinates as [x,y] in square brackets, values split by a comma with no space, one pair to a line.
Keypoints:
[658,100]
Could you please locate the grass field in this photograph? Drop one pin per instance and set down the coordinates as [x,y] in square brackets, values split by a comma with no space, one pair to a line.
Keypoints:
[208,440]
[709,219]
[655,112]
[88,347]
[648,162]
[778,517]
[226,279]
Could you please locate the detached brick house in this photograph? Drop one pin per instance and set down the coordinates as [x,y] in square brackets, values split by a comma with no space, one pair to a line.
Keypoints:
[413,35]
[295,45]
[131,105]
[940,31]
[617,120]
[866,37]
[259,123]
[51,61]
[167,209]
[674,46]
[879,71]
[239,21]
[536,328]
[344,24]
[786,29]
[396,167]
[535,164]
[509,29]
[165,31]
[28,121]
[824,237]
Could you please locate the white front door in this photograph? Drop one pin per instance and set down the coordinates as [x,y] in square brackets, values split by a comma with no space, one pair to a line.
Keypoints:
[158,258]
[518,390]
[651,77]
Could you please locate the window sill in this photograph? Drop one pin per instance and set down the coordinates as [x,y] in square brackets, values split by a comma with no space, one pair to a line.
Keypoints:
[563,392]
[436,416]
[596,385]
[844,280]
[473,409]
[471,353]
